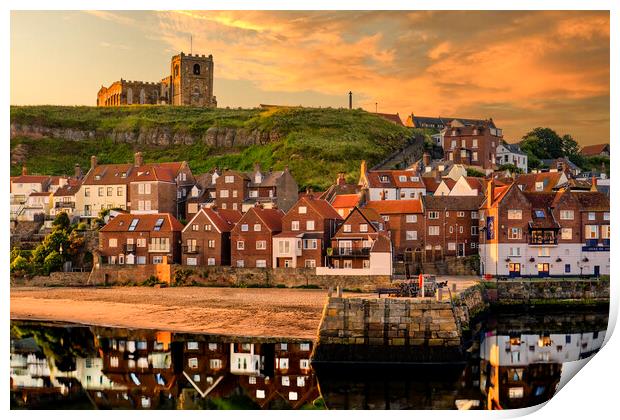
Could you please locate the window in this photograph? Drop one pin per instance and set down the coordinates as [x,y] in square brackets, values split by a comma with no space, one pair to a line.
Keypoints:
[295,225]
[386,218]
[591,231]
[234,193]
[347,264]
[257,227]
[240,245]
[411,218]
[515,392]
[451,246]
[514,233]
[540,186]
[224,193]
[284,247]
[433,215]
[114,361]
[286,381]
[473,245]
[591,215]
[207,227]
[211,243]
[539,214]
[460,214]
[363,227]
[451,229]
[112,243]
[605,231]
[567,214]
[260,393]
[474,231]
[244,227]
[254,193]
[310,243]
[100,191]
[474,156]
[304,364]
[87,192]
[195,227]
[240,263]
[158,224]
[463,153]
[304,346]
[196,69]
[260,245]
[567,269]
[141,242]
[192,345]
[606,215]
[301,381]
[282,363]
[229,179]
[119,191]
[310,225]
[261,264]
[514,214]
[433,230]
[346,228]
[567,233]
[192,363]
[384,178]
[411,235]
[211,261]
[515,252]
[303,210]
[310,264]
[158,259]
[543,252]
[474,143]
[215,363]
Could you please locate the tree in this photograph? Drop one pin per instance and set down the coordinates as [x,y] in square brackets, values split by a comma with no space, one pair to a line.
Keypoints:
[475,173]
[61,221]
[570,146]
[19,265]
[510,167]
[548,144]
[53,262]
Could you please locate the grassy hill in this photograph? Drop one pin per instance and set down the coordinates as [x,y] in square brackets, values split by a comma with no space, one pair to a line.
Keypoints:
[315,143]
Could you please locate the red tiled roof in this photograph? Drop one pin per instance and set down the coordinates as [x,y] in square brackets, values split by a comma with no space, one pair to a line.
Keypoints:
[411,179]
[395,118]
[223,219]
[595,149]
[430,183]
[152,172]
[30,179]
[146,223]
[396,206]
[371,214]
[108,174]
[549,180]
[70,188]
[271,217]
[346,201]
[450,183]
[382,244]
[475,183]
[323,208]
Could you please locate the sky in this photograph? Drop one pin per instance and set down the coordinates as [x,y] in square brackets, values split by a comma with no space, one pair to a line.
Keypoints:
[524,69]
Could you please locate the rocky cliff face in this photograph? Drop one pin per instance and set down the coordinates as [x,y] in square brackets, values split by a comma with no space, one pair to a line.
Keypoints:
[160,136]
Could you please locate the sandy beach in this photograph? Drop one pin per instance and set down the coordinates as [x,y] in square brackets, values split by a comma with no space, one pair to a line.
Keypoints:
[292,313]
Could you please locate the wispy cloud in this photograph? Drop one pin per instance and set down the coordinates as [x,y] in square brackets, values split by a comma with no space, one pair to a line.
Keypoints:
[111,16]
[105,44]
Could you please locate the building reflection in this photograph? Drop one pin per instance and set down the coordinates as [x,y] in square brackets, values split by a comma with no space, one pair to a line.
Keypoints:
[135,369]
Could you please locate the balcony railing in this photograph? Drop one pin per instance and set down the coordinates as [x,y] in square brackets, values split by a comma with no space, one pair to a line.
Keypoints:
[189,249]
[65,205]
[543,237]
[543,241]
[351,252]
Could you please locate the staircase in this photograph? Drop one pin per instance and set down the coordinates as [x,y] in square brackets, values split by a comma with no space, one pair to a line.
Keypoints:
[403,158]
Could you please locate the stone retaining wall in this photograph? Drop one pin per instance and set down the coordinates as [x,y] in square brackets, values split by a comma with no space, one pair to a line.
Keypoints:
[388,330]
[552,291]
[54,279]
[233,276]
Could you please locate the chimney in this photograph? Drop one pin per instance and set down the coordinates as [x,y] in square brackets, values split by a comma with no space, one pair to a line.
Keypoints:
[363,168]
[24,170]
[309,191]
[93,162]
[256,167]
[426,159]
[593,188]
[340,180]
[350,100]
[490,187]
[137,159]
[78,171]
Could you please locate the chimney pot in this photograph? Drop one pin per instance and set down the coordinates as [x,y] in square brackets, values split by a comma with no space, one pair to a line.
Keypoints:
[341,180]
[24,170]
[93,162]
[426,159]
[78,171]
[138,161]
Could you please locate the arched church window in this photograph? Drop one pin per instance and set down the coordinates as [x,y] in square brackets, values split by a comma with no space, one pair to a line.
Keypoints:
[142,96]
[129,96]
[196,69]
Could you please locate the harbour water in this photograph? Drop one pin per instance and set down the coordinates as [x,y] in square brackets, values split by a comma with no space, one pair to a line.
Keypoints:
[512,359]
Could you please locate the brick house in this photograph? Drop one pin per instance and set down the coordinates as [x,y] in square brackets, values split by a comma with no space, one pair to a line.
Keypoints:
[307,229]
[159,187]
[141,239]
[360,246]
[202,193]
[451,226]
[204,363]
[252,237]
[206,238]
[541,181]
[392,184]
[240,190]
[557,233]
[405,221]
[64,198]
[472,145]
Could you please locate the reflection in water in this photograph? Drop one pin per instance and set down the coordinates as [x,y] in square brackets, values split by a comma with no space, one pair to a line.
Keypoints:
[510,364]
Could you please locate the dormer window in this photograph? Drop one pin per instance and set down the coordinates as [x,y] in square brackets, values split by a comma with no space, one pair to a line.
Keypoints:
[415,178]
[384,178]
[97,177]
[258,178]
[540,186]
[402,178]
[123,174]
[454,132]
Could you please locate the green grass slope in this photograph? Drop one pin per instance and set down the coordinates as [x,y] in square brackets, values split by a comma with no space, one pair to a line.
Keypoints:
[315,143]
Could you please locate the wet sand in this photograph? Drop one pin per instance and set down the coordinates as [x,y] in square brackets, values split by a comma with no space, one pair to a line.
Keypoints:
[293,313]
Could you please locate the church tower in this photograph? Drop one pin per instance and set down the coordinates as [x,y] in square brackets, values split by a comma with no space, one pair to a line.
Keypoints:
[192,80]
